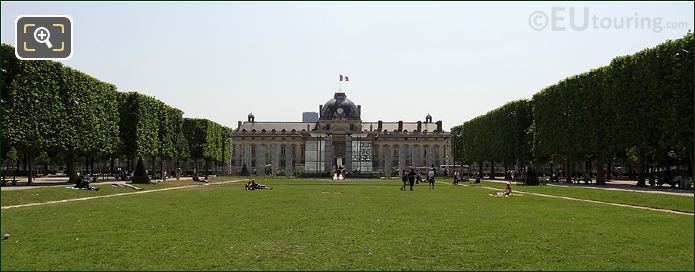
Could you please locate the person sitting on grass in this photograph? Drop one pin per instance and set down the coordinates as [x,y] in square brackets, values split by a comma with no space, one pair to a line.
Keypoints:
[83,183]
[196,178]
[507,191]
[252,185]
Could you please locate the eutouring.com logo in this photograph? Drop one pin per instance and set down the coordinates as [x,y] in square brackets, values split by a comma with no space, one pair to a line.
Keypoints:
[564,19]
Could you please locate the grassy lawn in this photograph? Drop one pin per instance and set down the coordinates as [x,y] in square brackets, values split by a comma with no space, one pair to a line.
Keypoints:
[662,201]
[43,194]
[358,225]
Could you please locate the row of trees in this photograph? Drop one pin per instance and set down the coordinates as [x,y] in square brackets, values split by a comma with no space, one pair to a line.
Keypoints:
[638,108]
[48,107]
[497,136]
[208,140]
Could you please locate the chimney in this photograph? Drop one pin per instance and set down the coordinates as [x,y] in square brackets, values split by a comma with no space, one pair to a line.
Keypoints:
[238,124]
[439,126]
[359,110]
[379,126]
[419,126]
[400,126]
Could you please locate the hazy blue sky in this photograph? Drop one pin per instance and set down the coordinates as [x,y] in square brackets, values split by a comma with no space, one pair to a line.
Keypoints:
[455,60]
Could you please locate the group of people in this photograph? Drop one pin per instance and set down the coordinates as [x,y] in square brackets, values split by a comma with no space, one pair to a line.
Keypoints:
[458,178]
[197,178]
[411,177]
[252,185]
[339,173]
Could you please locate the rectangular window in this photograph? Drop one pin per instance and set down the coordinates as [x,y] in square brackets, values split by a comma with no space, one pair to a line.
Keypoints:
[362,156]
[314,155]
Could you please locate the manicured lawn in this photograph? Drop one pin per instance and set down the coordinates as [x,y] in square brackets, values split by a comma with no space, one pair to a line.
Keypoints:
[662,201]
[43,194]
[356,225]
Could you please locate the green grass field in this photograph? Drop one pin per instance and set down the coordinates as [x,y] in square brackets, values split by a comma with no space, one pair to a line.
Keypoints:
[352,225]
[661,201]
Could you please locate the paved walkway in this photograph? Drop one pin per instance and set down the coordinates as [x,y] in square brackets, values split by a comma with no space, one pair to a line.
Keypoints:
[60,182]
[627,187]
[121,194]
[589,201]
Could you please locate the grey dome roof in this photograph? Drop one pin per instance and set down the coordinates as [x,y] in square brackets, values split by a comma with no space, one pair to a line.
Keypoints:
[339,108]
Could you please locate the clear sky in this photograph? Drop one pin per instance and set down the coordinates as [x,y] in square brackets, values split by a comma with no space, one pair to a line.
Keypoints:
[454,60]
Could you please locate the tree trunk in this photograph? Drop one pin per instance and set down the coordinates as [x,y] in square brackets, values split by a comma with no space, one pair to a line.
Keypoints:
[492,170]
[629,171]
[600,170]
[30,161]
[641,175]
[71,168]
[690,166]
[45,169]
[568,170]
[480,168]
[506,172]
[111,167]
[609,170]
[551,169]
[652,172]
[86,165]
[14,173]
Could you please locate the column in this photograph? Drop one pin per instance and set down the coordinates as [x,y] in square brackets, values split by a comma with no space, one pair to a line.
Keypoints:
[275,158]
[328,154]
[260,159]
[289,160]
[415,156]
[401,159]
[386,150]
[430,156]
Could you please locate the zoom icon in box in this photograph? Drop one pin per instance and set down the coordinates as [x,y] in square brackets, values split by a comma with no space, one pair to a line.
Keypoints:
[43,37]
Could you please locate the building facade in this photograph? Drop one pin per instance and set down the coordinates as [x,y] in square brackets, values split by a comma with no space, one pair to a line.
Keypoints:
[339,138]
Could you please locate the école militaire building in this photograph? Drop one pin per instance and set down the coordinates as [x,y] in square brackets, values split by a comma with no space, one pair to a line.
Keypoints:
[339,138]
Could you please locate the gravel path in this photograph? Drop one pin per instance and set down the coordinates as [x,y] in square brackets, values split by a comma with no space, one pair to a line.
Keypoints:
[114,195]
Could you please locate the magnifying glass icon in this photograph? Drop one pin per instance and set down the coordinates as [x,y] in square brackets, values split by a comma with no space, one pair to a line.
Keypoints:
[42,35]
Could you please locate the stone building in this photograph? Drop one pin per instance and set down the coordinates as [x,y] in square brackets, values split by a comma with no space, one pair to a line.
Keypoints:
[340,137]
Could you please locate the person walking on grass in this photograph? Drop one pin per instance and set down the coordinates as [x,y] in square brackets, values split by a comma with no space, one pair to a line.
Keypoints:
[411,178]
[430,178]
[404,178]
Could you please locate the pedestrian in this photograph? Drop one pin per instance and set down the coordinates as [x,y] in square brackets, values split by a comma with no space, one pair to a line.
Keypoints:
[430,178]
[404,178]
[411,178]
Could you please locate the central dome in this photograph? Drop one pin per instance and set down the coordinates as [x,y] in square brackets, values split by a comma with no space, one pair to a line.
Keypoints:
[339,108]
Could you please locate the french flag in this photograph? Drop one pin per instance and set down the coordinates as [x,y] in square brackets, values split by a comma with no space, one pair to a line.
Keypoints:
[344,78]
